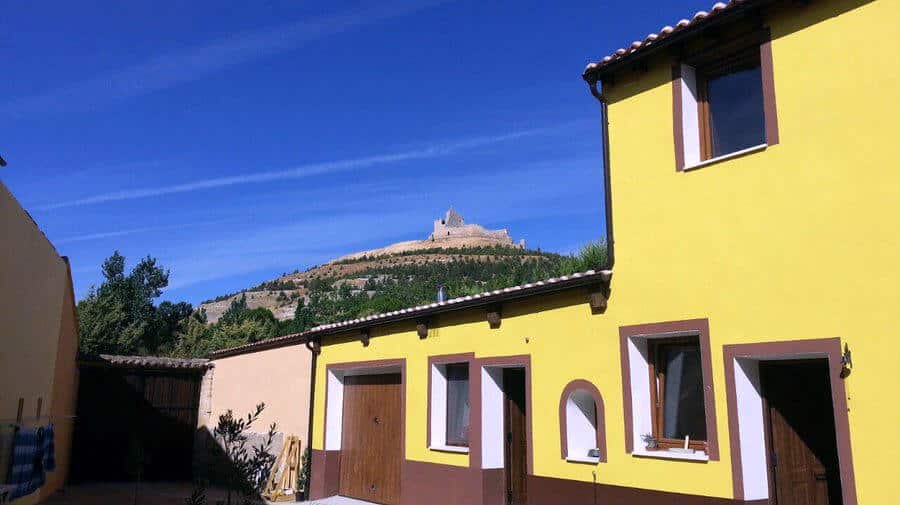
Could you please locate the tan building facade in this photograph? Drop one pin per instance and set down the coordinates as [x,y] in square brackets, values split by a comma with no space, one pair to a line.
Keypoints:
[279,377]
[39,341]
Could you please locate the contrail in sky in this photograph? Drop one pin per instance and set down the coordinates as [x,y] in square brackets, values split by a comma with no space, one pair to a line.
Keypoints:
[308,170]
[131,231]
[192,63]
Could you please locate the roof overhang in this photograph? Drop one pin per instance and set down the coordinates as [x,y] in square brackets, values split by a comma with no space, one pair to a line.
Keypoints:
[581,279]
[147,363]
[670,37]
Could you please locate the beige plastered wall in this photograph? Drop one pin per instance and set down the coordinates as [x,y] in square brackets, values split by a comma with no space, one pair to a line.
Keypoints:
[279,377]
[38,336]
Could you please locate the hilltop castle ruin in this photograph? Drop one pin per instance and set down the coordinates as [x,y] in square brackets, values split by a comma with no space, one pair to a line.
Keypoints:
[453,226]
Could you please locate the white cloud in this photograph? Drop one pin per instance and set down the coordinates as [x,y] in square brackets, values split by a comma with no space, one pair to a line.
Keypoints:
[131,231]
[311,169]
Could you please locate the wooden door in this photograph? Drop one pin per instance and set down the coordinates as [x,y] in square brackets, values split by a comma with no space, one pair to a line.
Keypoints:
[371,438]
[516,451]
[803,447]
[135,424]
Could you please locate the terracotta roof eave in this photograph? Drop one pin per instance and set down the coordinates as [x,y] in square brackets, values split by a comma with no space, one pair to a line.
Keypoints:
[262,345]
[579,279]
[148,362]
[669,36]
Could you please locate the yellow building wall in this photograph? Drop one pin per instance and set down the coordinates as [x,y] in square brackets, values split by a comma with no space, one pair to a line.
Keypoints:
[796,242]
[38,336]
[799,241]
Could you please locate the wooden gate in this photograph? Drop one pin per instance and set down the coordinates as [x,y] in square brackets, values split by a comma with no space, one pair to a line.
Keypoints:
[135,422]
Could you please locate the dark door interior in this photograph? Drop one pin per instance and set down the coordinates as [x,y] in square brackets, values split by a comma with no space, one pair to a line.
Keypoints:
[515,462]
[801,432]
[371,438]
[134,424]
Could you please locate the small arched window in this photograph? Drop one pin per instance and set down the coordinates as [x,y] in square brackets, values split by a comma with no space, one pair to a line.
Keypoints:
[582,436]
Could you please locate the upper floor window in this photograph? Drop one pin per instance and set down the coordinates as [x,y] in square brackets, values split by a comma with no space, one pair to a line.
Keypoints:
[730,104]
[724,102]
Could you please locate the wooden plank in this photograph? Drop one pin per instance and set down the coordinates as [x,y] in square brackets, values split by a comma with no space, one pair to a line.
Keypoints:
[282,480]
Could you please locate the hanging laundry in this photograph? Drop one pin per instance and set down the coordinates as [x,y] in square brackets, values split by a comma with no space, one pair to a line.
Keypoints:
[32,455]
[49,449]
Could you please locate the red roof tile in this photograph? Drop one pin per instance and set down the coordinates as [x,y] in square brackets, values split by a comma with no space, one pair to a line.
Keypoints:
[684,26]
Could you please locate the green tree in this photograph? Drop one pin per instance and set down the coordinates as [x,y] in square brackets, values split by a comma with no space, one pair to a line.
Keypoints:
[304,316]
[236,311]
[119,316]
[247,471]
[168,320]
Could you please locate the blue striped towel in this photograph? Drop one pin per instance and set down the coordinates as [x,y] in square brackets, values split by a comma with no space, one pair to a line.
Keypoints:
[49,449]
[33,454]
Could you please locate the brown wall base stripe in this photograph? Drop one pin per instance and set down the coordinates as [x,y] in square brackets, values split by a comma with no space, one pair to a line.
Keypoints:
[326,473]
[552,491]
[437,484]
[493,486]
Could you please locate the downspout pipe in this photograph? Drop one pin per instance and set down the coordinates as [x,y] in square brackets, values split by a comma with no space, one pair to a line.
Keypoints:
[314,346]
[593,83]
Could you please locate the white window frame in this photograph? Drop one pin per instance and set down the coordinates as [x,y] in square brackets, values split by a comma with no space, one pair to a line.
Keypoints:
[581,426]
[690,125]
[641,409]
[334,402]
[438,440]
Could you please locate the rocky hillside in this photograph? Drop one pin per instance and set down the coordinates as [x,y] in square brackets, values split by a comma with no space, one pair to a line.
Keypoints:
[464,257]
[371,274]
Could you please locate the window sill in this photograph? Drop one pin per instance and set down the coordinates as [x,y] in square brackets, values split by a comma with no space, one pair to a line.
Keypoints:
[582,459]
[450,448]
[724,157]
[664,454]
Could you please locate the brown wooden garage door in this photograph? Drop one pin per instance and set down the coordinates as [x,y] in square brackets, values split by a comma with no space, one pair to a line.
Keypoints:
[371,438]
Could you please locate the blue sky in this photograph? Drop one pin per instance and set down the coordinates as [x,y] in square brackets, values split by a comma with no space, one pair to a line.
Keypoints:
[241,140]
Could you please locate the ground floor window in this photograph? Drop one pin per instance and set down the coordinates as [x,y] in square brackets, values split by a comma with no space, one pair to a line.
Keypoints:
[582,437]
[458,404]
[676,393]
[669,399]
[448,403]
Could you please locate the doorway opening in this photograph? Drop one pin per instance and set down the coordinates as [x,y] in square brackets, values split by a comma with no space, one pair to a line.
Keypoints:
[802,445]
[516,441]
[506,427]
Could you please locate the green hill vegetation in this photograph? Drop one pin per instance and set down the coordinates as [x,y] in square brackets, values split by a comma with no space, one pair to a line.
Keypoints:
[120,317]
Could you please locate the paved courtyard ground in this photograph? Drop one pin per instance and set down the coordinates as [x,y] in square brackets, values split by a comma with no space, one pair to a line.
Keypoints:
[122,493]
[338,500]
[156,493]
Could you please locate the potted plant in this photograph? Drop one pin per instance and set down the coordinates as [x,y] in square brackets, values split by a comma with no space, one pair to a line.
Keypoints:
[650,441]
